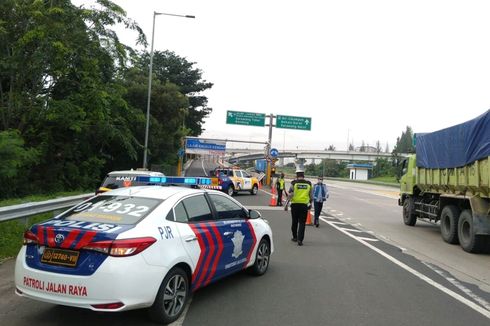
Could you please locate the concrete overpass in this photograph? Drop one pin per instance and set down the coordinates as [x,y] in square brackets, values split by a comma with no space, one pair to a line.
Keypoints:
[248,155]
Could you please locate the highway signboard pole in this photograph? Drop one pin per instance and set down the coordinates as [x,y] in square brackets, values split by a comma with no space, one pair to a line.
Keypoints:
[258,120]
[268,179]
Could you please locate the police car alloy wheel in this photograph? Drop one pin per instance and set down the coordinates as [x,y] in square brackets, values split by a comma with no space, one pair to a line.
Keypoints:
[261,258]
[231,191]
[255,189]
[171,298]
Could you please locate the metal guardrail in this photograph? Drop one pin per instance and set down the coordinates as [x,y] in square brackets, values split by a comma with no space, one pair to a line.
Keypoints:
[13,212]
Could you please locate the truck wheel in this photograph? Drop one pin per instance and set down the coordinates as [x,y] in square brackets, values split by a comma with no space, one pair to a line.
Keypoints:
[409,217]
[230,191]
[254,190]
[449,224]
[467,238]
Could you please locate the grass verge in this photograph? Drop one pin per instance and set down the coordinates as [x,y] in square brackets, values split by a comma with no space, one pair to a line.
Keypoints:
[385,179]
[11,234]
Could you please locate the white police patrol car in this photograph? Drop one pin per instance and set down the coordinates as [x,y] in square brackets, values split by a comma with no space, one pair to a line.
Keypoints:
[138,247]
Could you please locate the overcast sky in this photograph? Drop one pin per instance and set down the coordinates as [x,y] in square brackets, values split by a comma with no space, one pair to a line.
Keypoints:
[361,69]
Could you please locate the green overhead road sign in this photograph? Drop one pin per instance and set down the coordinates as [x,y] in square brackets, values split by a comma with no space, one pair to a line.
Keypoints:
[290,122]
[245,118]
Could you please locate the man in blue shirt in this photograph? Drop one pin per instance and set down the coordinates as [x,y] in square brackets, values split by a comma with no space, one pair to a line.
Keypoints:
[320,194]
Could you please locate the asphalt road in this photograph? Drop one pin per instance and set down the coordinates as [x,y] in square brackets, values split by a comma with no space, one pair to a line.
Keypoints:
[200,167]
[345,274]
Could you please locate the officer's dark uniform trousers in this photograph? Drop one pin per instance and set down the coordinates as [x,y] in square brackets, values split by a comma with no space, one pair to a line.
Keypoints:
[298,214]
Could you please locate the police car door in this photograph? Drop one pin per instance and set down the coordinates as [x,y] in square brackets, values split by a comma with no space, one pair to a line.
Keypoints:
[247,180]
[237,180]
[200,237]
[236,233]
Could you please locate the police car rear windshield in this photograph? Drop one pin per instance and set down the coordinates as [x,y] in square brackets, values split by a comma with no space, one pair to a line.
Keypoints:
[120,181]
[112,209]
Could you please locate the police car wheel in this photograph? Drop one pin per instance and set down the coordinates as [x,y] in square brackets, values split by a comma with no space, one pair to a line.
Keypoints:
[231,191]
[254,190]
[261,258]
[171,297]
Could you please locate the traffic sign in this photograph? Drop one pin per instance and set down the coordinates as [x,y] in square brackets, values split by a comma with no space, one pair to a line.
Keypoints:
[290,122]
[205,146]
[274,152]
[181,152]
[245,118]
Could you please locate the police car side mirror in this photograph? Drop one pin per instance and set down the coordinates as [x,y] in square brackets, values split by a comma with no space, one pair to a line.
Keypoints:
[253,214]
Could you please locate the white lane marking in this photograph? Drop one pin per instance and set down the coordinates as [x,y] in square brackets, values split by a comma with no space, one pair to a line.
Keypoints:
[421,276]
[202,164]
[336,222]
[180,321]
[367,239]
[270,193]
[352,230]
[460,286]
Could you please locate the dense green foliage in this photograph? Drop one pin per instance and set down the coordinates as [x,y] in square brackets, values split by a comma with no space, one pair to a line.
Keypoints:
[328,168]
[12,231]
[73,98]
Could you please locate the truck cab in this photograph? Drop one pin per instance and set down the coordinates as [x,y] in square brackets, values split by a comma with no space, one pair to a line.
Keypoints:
[407,180]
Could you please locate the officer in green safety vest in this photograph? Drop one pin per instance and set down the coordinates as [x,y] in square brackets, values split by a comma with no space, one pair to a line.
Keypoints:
[301,197]
[280,187]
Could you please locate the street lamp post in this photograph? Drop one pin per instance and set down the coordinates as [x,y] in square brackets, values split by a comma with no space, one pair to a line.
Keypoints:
[145,155]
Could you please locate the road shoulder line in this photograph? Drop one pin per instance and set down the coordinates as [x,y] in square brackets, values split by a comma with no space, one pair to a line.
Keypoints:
[421,276]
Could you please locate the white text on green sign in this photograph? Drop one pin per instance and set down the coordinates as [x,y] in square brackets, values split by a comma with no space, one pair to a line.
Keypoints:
[290,122]
[245,118]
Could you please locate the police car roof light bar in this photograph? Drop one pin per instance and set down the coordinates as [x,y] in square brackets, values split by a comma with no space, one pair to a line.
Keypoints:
[189,181]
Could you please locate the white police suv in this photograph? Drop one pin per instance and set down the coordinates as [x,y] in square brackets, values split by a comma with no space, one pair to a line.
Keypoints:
[141,247]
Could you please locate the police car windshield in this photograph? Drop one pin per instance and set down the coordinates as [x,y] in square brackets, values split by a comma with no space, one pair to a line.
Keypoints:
[113,209]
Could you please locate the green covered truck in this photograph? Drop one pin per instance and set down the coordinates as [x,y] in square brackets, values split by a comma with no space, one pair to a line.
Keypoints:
[448,181]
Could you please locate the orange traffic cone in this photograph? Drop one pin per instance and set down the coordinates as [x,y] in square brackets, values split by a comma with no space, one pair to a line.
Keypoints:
[260,184]
[273,201]
[308,218]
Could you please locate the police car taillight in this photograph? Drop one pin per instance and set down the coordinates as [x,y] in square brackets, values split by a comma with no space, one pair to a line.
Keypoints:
[108,306]
[30,238]
[121,248]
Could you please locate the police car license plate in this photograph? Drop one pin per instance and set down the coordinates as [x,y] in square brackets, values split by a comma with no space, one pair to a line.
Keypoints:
[61,257]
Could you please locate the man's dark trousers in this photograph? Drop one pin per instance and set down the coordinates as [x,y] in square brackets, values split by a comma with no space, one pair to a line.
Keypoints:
[318,210]
[298,214]
[279,197]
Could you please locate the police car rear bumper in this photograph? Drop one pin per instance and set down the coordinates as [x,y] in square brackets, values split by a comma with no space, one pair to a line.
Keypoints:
[115,281]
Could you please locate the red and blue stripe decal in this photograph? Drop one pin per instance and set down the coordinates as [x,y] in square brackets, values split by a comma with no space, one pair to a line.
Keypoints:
[70,235]
[216,258]
[46,236]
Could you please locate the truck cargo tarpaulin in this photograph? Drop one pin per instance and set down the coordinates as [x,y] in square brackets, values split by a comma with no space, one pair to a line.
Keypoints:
[205,146]
[455,146]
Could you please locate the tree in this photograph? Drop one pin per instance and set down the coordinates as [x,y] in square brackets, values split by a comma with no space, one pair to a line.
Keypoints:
[383,167]
[331,148]
[351,147]
[59,88]
[404,143]
[14,158]
[378,147]
[171,68]
[387,148]
[363,147]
